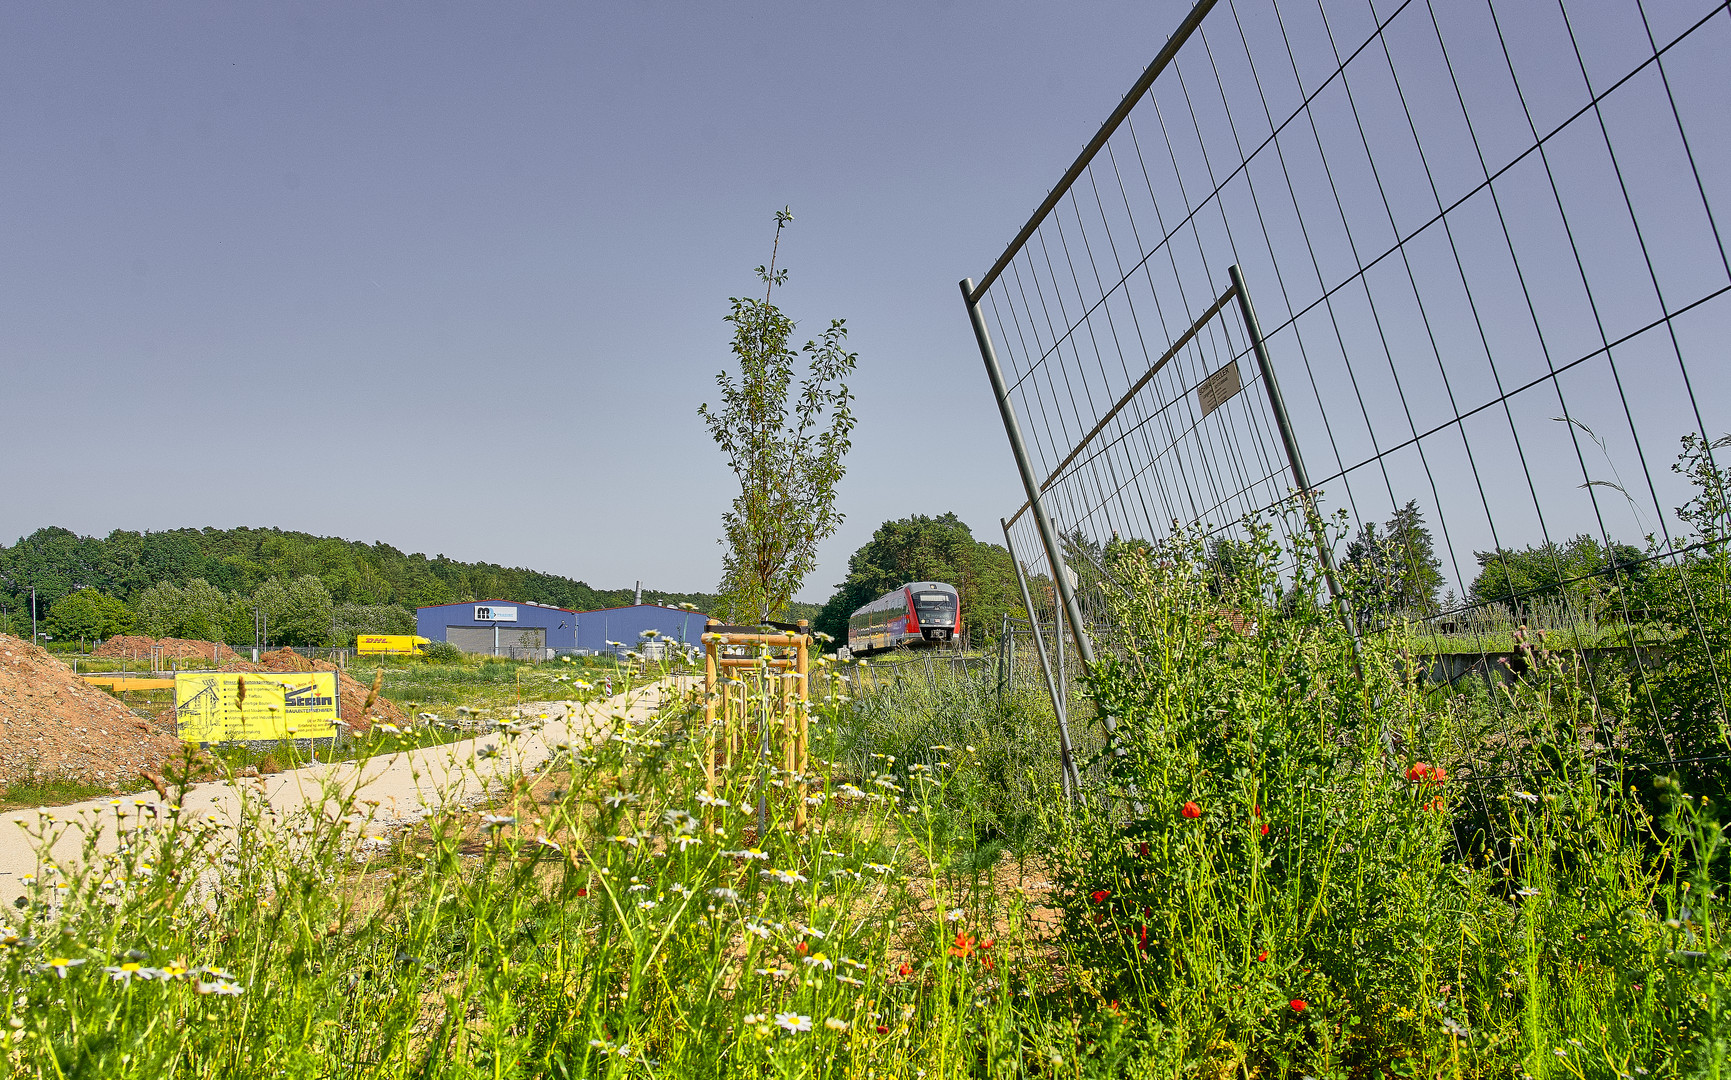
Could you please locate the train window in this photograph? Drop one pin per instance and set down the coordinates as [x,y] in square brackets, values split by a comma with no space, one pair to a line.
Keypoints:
[933,597]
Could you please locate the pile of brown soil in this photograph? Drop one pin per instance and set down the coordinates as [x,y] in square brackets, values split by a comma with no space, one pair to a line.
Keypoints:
[138,647]
[354,694]
[54,725]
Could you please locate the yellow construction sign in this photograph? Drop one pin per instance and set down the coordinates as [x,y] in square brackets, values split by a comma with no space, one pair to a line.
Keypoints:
[249,707]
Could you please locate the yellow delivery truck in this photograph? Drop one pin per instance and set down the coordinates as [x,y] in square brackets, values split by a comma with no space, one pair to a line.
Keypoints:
[390,644]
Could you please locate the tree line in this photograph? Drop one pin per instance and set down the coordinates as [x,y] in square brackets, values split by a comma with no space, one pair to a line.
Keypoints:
[1392,572]
[208,584]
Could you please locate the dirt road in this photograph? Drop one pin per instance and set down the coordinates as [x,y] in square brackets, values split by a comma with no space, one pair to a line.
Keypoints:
[406,785]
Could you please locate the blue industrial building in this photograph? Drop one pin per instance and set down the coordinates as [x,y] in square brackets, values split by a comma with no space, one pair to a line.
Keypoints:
[533,631]
[499,627]
[626,624]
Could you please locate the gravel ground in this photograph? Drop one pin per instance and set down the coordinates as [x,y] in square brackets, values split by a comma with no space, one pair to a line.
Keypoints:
[406,785]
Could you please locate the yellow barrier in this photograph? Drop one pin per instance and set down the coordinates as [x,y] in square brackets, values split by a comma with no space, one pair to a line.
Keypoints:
[126,682]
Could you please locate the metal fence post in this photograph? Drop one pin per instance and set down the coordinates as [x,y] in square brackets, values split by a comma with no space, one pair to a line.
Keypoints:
[1300,478]
[1048,538]
[1067,759]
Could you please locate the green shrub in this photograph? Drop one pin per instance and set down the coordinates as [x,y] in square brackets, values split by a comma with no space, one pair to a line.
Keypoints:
[442,652]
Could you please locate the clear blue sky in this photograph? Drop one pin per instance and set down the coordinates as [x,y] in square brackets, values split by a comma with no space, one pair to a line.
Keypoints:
[453,276]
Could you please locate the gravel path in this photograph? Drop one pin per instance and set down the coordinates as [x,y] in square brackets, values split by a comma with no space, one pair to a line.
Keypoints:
[406,785]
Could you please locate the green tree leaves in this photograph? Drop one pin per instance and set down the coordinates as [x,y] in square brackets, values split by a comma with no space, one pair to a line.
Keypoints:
[297,612]
[1549,570]
[196,610]
[1394,572]
[785,448]
[300,611]
[88,615]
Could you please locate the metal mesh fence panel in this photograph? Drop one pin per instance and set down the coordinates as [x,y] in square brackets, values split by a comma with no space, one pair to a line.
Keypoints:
[1484,244]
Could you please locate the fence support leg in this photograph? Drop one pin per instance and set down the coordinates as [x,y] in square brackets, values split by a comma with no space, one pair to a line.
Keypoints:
[794,698]
[1066,758]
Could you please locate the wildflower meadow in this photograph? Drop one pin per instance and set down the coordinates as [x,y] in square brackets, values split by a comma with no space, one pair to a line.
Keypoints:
[1292,858]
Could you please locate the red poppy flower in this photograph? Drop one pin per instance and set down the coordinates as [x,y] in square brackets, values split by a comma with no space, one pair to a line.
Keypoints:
[964,946]
[802,948]
[988,943]
[905,970]
[1191,810]
[582,892]
[1142,938]
[1422,773]
[1299,1005]
[1142,849]
[1262,957]
[1099,895]
[1265,828]
[883,1030]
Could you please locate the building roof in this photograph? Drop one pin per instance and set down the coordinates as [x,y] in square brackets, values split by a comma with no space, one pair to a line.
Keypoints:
[513,603]
[632,607]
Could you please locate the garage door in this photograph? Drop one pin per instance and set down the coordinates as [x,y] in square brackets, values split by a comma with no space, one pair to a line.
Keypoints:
[512,640]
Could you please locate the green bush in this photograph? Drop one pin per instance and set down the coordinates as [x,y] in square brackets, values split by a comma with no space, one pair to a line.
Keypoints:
[442,652]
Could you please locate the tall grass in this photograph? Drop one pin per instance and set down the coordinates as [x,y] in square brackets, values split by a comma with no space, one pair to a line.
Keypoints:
[606,918]
[916,714]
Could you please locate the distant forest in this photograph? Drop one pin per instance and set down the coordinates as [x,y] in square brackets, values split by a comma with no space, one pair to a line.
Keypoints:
[123,566]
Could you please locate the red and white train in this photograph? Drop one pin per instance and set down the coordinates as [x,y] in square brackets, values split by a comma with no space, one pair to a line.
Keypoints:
[919,613]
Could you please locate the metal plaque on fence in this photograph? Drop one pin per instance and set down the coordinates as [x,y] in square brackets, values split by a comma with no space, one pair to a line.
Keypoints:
[1218,388]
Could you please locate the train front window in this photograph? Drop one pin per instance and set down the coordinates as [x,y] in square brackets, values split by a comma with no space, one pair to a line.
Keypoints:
[935,608]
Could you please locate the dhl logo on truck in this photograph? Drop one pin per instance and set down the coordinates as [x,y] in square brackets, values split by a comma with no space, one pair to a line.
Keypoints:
[390,644]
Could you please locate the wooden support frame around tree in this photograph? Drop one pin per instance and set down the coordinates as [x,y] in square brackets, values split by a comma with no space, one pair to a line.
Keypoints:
[783,662]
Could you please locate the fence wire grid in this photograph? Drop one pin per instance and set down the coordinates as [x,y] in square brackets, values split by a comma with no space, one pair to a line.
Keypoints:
[1484,244]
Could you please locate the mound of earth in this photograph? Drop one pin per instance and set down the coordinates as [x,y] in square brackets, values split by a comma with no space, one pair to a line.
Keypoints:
[54,725]
[139,647]
[354,694]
